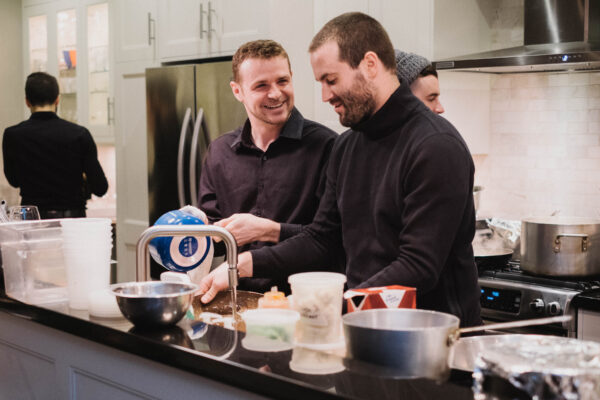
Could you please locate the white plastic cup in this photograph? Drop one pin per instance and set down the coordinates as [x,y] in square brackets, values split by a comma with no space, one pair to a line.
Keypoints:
[86,274]
[318,299]
[87,245]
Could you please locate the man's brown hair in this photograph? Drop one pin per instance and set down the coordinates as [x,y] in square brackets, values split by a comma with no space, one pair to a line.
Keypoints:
[264,49]
[355,34]
[429,70]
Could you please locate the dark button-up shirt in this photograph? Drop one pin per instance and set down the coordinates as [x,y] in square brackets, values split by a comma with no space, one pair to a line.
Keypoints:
[47,157]
[283,184]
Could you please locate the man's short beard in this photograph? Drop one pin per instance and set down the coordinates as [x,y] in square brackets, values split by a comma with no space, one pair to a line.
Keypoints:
[358,101]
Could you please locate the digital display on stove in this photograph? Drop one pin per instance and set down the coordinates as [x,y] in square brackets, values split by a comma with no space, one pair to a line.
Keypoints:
[501,299]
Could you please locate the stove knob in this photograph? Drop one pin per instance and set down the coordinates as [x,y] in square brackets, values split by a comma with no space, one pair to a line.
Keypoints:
[554,308]
[537,306]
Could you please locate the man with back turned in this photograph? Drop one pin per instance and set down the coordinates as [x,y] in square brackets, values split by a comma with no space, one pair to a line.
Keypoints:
[398,198]
[54,162]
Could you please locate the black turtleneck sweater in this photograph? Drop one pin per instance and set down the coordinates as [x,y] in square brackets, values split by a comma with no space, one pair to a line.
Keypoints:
[398,201]
[46,157]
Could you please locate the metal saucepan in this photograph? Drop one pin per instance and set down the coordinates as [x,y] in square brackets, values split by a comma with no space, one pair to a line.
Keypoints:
[415,343]
[560,246]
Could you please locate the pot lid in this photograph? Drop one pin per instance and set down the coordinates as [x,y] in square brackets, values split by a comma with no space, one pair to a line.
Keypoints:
[563,220]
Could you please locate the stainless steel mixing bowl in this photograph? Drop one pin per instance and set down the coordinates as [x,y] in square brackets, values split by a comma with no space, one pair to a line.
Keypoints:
[154,303]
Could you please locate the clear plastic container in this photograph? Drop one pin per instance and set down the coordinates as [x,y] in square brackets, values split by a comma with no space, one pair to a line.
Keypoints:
[33,262]
[269,329]
[317,296]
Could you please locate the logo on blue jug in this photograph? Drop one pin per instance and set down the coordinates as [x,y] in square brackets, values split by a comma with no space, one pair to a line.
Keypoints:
[179,253]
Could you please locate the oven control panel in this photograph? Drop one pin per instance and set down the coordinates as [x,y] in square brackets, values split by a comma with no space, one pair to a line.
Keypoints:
[501,299]
[505,300]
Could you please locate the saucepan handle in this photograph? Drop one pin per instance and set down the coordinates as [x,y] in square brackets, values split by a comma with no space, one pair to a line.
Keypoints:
[453,337]
[582,236]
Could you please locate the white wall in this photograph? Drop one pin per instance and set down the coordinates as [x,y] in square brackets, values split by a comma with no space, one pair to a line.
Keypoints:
[545,146]
[12,95]
[470,26]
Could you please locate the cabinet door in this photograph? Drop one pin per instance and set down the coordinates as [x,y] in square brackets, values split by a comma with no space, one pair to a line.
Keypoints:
[131,155]
[234,22]
[71,41]
[408,23]
[134,29]
[183,29]
[98,98]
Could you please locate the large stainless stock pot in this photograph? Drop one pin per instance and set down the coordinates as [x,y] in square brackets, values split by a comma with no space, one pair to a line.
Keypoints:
[560,246]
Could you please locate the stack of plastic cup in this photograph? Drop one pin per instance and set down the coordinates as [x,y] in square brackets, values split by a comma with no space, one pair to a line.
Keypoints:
[87,245]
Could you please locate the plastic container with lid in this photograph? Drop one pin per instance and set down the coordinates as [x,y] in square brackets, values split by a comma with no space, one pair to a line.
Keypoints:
[269,329]
[318,299]
[33,262]
[273,299]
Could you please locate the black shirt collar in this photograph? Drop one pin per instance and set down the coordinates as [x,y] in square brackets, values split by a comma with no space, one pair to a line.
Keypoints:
[397,109]
[43,115]
[291,130]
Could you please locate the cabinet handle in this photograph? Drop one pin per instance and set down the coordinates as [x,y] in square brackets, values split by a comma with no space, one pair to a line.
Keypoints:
[151,31]
[110,111]
[209,17]
[202,12]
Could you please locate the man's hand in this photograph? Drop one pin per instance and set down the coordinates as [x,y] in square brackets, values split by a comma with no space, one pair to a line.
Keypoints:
[196,212]
[218,279]
[214,282]
[247,228]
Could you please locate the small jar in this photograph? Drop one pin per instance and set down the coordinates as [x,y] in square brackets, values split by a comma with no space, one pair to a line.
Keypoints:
[273,299]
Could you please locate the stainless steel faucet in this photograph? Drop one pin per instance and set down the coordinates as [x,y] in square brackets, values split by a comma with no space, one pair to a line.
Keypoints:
[142,272]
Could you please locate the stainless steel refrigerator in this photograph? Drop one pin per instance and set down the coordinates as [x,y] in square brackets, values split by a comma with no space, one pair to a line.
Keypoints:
[188,106]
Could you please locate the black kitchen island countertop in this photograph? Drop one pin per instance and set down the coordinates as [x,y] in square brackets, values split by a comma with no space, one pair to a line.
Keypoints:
[589,300]
[217,353]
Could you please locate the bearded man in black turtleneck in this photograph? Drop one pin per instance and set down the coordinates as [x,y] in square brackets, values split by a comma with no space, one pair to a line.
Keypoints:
[398,197]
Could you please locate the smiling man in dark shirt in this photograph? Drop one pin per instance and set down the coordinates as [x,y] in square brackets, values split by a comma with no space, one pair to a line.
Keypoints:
[54,162]
[263,181]
[398,198]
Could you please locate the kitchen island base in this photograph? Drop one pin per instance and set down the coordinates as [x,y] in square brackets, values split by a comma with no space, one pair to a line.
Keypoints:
[38,362]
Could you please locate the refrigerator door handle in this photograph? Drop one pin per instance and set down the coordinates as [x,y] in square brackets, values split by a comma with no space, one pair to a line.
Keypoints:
[194,154]
[180,156]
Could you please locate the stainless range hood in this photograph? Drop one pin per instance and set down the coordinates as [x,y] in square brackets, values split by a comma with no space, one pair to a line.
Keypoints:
[558,35]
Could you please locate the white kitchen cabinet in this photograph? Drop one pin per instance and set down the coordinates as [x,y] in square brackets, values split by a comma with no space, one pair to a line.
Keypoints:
[132,167]
[588,325]
[408,23]
[71,40]
[134,29]
[202,28]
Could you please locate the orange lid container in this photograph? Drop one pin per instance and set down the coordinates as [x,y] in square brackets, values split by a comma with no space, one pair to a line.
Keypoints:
[273,299]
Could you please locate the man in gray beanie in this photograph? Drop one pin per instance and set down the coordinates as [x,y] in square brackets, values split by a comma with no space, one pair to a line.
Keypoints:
[417,72]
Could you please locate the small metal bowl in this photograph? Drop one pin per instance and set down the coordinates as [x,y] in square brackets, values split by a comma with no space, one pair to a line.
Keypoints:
[154,303]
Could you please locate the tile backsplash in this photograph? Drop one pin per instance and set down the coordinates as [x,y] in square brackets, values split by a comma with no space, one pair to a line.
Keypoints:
[544,153]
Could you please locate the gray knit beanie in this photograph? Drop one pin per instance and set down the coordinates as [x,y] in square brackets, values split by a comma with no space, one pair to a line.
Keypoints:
[409,65]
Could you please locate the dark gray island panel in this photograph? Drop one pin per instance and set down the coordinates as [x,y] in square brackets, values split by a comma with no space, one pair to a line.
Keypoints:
[39,362]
